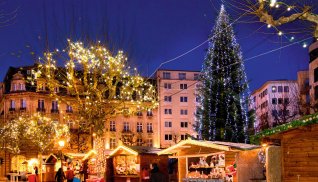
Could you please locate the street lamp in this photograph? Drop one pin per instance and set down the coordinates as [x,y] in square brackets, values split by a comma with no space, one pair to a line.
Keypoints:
[61,144]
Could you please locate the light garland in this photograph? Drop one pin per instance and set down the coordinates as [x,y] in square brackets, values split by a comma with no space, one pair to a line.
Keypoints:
[304,121]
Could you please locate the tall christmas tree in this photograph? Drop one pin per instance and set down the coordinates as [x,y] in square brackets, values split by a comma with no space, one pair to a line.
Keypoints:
[223,114]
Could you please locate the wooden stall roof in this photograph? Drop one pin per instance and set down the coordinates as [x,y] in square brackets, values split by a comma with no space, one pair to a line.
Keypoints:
[207,146]
[134,150]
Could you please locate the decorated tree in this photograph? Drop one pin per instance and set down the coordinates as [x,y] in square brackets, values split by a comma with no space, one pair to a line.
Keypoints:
[223,114]
[97,84]
[36,133]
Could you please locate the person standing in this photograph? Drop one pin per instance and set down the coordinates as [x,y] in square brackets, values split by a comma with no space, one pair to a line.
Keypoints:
[155,174]
[144,175]
[59,176]
[69,174]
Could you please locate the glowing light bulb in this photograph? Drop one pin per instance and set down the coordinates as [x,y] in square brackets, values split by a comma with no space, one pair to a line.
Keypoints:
[305,45]
[288,9]
[292,38]
[280,33]
[273,2]
[269,26]
[277,6]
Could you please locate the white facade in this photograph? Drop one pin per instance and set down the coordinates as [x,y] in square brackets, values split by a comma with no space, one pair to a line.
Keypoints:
[275,103]
[177,105]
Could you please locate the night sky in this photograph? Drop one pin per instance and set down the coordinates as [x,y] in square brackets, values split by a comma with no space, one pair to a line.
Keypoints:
[150,32]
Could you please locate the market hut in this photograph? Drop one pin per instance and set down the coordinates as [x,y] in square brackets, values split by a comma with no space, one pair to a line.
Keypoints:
[125,163]
[291,150]
[217,161]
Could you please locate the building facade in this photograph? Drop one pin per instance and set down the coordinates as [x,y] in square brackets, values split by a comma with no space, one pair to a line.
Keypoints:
[275,103]
[178,101]
[313,76]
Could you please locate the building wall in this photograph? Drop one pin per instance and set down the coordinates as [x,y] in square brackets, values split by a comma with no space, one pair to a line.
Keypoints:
[303,85]
[265,102]
[176,91]
[313,64]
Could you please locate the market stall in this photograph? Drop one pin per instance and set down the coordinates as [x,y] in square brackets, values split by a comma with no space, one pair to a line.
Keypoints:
[291,150]
[126,162]
[207,160]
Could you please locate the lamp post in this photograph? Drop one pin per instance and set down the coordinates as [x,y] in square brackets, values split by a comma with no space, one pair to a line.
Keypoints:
[61,144]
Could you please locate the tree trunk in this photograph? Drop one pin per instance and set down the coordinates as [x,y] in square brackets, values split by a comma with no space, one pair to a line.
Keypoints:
[40,166]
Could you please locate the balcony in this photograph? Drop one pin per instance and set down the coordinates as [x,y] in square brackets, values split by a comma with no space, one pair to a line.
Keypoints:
[149,131]
[22,109]
[55,111]
[139,131]
[69,111]
[40,109]
[112,129]
[11,109]
[126,131]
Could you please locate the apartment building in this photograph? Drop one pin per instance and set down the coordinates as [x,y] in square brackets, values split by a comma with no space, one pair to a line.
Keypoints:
[178,100]
[275,102]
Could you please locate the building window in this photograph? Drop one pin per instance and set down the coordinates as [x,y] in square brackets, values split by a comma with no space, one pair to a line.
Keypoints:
[149,128]
[184,137]
[71,124]
[316,74]
[274,89]
[183,86]
[168,137]
[22,104]
[196,76]
[139,142]
[12,104]
[168,99]
[40,105]
[112,126]
[286,100]
[316,92]
[166,75]
[182,76]
[274,113]
[56,89]
[198,99]
[168,111]
[184,124]
[139,127]
[183,99]
[280,100]
[149,142]
[183,112]
[168,124]
[167,85]
[126,127]
[286,89]
[41,87]
[274,101]
[149,113]
[69,109]
[112,143]
[280,88]
[54,106]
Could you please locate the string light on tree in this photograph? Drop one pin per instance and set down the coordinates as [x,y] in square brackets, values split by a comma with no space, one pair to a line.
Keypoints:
[223,113]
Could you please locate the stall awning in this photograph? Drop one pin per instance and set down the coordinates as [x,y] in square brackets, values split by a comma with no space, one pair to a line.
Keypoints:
[134,150]
[209,146]
[89,154]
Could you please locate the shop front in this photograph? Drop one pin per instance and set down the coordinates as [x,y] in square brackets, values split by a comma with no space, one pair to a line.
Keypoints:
[209,161]
[126,163]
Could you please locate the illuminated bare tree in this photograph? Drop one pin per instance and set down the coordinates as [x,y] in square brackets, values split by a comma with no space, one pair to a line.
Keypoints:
[96,83]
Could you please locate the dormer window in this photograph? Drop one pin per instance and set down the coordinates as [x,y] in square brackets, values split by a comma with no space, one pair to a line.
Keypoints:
[17,83]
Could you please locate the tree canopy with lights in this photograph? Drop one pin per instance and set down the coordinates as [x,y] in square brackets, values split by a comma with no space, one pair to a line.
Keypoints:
[98,84]
[34,132]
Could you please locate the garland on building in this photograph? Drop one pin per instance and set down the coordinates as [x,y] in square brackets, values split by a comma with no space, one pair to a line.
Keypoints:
[304,121]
